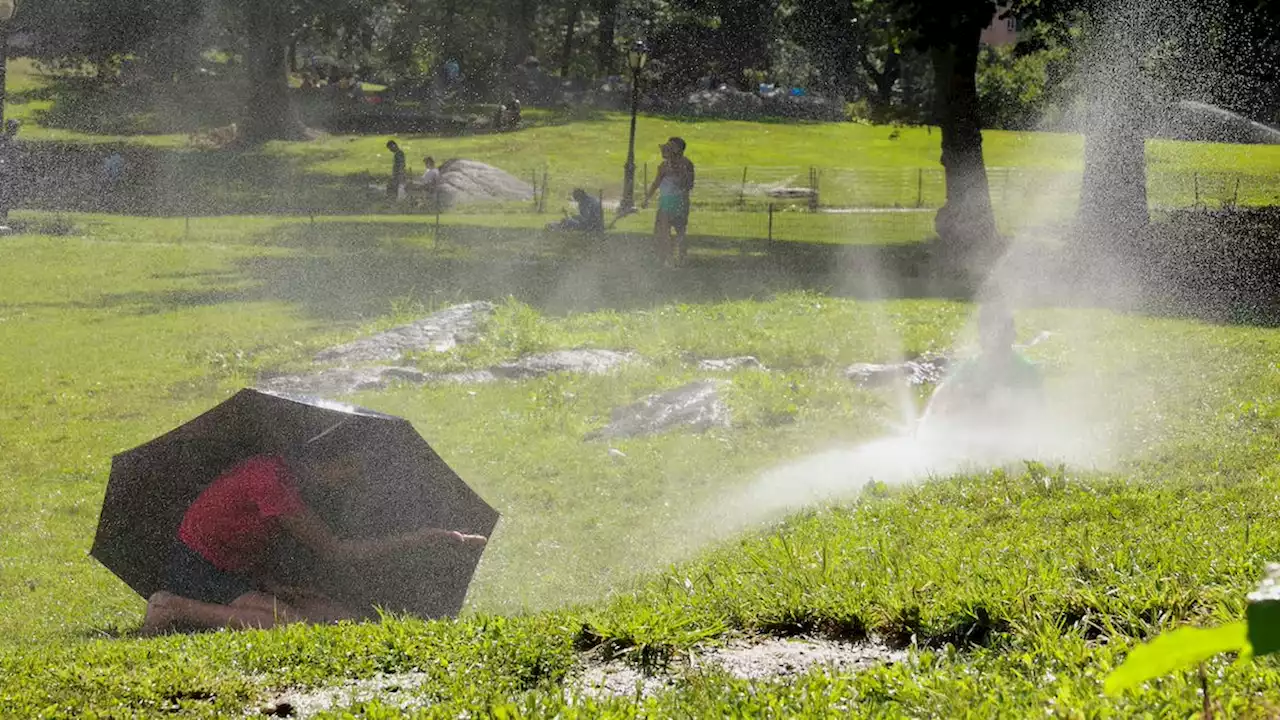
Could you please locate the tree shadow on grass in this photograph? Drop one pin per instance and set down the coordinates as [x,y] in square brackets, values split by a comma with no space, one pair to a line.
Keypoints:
[352,270]
[356,270]
[165,182]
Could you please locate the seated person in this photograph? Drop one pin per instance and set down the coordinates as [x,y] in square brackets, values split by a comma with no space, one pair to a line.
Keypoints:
[997,388]
[431,176]
[590,217]
[216,577]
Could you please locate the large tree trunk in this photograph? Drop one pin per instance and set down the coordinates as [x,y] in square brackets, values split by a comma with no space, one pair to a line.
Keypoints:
[1113,194]
[570,26]
[966,224]
[520,43]
[882,81]
[270,114]
[608,12]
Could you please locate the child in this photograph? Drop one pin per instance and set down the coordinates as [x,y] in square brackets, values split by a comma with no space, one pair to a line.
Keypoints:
[215,571]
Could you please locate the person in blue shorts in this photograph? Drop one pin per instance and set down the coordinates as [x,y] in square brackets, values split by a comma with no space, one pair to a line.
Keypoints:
[673,183]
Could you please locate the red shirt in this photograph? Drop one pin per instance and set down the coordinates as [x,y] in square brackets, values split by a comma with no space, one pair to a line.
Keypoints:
[232,521]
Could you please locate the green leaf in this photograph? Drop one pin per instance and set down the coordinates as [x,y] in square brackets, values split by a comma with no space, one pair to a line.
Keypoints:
[1177,650]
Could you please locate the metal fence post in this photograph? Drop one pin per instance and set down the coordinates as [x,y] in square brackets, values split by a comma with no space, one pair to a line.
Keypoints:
[920,187]
[771,225]
[742,191]
[1195,183]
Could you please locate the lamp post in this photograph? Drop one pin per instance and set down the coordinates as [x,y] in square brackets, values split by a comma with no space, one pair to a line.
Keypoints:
[637,56]
[7,8]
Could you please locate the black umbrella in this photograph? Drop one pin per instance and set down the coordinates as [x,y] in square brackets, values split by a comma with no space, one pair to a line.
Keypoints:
[406,487]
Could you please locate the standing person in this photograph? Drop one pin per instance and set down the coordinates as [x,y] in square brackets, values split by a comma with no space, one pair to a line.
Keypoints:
[217,576]
[396,186]
[673,183]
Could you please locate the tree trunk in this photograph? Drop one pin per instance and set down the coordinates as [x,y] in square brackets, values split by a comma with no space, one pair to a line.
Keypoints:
[270,114]
[1113,193]
[882,81]
[570,25]
[520,44]
[966,223]
[605,56]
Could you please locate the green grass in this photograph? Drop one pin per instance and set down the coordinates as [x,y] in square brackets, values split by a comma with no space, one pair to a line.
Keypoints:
[1014,590]
[1034,176]
[111,337]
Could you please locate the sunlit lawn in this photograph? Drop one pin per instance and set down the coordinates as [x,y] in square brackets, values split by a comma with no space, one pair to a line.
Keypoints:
[113,336]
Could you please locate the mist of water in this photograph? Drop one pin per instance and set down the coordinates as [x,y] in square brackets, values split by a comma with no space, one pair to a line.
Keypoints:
[1082,422]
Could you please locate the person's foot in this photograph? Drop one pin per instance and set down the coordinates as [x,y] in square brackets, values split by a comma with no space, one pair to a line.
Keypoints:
[161,617]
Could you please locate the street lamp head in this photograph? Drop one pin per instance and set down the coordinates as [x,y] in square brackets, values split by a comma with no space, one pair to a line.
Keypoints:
[6,10]
[637,56]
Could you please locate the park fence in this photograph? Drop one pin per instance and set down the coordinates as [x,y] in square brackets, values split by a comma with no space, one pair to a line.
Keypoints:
[890,205]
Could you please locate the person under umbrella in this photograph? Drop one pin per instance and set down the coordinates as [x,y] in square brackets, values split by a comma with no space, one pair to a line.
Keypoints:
[217,575]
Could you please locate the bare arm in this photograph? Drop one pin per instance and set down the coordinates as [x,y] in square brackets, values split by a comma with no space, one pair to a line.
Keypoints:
[657,180]
[311,531]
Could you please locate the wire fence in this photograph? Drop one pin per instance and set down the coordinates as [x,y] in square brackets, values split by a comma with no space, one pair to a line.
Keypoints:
[888,205]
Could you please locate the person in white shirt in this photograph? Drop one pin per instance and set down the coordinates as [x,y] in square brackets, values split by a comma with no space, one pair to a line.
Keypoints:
[432,175]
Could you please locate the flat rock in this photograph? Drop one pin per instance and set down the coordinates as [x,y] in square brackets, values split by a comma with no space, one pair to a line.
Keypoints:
[696,406]
[924,370]
[729,364]
[437,332]
[342,381]
[587,361]
[345,380]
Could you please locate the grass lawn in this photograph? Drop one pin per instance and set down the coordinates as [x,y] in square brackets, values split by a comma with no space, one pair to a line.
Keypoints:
[1014,591]
[1035,177]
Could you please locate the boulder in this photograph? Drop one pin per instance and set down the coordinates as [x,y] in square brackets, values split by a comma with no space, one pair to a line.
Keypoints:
[696,407]
[924,370]
[438,332]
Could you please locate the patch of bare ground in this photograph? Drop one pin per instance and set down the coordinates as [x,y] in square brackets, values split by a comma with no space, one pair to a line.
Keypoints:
[767,659]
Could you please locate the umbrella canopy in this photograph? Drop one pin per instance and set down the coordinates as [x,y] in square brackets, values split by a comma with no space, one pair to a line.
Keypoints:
[405,487]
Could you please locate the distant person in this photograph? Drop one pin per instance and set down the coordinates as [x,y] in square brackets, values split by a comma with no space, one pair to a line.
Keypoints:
[590,217]
[216,577]
[673,183]
[508,115]
[113,168]
[996,388]
[431,175]
[395,188]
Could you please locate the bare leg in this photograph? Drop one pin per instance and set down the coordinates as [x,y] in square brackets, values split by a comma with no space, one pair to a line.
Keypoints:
[681,250]
[167,612]
[662,237]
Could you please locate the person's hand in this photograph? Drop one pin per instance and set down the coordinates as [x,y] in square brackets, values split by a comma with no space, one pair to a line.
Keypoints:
[464,539]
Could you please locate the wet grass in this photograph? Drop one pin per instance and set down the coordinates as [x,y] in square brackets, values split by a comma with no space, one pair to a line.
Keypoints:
[1016,590]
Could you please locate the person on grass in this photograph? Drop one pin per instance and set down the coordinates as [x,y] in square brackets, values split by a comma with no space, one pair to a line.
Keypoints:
[395,188]
[673,183]
[590,217]
[216,577]
[431,175]
[994,388]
